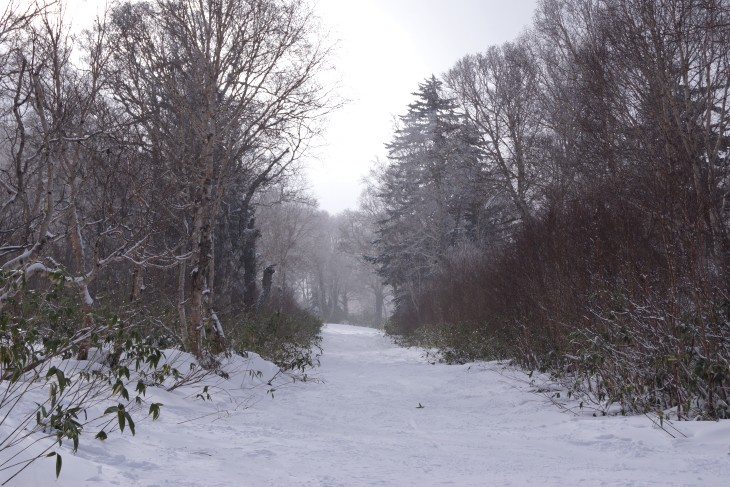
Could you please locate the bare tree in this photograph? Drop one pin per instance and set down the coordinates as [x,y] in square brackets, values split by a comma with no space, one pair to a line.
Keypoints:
[287,220]
[499,92]
[357,237]
[72,210]
[225,91]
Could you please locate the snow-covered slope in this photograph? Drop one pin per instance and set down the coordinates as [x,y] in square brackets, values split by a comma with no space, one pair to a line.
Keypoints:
[359,424]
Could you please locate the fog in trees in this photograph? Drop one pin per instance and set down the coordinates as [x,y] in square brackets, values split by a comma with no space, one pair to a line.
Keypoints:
[598,144]
[559,200]
[133,151]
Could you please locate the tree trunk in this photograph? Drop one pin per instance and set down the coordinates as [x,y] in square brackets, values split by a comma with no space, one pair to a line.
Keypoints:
[201,241]
[379,302]
[195,328]
[250,293]
[266,281]
[181,313]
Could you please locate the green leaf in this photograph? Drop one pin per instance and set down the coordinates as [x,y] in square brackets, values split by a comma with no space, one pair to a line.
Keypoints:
[130,422]
[125,371]
[121,418]
[59,461]
[111,409]
[155,410]
[61,379]
[101,435]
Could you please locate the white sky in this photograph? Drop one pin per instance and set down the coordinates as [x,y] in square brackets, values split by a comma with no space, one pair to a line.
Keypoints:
[386,47]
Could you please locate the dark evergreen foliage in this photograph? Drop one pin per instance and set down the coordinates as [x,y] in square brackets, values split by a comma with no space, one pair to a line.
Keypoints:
[429,207]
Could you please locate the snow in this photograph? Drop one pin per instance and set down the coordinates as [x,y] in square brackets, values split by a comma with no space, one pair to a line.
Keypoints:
[36,268]
[357,424]
[88,300]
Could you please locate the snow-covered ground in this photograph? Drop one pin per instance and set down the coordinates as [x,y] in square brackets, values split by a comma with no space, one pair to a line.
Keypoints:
[358,424]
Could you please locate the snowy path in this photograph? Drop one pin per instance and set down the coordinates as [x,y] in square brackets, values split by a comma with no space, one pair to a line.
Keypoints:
[360,427]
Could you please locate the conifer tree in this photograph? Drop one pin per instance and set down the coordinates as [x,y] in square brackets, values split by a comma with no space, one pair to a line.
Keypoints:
[425,190]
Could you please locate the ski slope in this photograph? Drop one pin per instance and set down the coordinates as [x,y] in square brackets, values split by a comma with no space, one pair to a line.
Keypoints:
[358,424]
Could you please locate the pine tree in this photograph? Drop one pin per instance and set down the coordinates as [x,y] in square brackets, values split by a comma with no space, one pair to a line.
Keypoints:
[426,192]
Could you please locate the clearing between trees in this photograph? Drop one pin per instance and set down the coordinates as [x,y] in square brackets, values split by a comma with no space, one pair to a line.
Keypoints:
[357,422]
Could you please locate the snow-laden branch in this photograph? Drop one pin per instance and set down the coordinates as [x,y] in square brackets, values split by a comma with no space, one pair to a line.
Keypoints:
[17,277]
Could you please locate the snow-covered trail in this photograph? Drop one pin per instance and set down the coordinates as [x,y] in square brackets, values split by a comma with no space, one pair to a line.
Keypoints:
[359,425]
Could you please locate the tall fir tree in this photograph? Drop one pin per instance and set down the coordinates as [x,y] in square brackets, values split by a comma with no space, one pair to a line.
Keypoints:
[426,192]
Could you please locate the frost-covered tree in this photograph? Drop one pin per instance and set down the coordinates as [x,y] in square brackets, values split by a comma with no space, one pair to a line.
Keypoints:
[429,203]
[500,95]
[225,93]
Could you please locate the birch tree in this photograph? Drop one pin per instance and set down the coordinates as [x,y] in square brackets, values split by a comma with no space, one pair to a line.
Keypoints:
[73,209]
[225,91]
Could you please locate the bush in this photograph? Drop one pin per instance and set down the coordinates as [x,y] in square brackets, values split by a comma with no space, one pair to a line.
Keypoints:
[47,397]
[290,340]
[615,304]
[455,343]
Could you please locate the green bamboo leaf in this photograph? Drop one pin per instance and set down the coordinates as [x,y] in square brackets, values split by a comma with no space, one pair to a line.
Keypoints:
[61,379]
[130,422]
[59,462]
[155,410]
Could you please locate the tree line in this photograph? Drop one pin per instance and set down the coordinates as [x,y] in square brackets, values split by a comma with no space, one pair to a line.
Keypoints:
[138,159]
[133,154]
[562,200]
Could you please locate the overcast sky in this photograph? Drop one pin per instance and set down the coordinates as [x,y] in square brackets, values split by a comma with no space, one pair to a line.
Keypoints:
[385,48]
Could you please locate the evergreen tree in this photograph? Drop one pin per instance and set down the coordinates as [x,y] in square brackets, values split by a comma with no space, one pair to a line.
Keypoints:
[426,192]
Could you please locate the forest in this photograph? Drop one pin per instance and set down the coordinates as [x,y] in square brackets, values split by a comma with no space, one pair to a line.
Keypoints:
[559,201]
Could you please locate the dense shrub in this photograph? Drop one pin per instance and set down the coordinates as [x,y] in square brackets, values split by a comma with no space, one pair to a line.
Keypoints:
[289,338]
[590,294]
[459,343]
[47,397]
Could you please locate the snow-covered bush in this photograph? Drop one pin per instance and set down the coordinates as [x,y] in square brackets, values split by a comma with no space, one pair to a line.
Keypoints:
[646,360]
[49,396]
[289,339]
[457,343]
[585,297]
